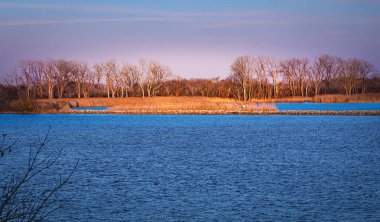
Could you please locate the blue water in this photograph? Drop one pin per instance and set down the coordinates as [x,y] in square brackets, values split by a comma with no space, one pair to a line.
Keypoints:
[90,108]
[211,168]
[328,106]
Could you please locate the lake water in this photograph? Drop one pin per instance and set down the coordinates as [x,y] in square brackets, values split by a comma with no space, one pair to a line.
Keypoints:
[211,168]
[328,106]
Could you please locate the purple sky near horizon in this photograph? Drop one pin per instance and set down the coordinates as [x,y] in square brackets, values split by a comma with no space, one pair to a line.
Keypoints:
[197,39]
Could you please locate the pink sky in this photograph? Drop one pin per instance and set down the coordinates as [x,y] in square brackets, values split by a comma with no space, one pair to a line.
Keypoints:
[195,39]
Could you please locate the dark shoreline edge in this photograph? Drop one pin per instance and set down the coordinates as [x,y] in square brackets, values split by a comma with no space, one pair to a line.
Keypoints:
[214,112]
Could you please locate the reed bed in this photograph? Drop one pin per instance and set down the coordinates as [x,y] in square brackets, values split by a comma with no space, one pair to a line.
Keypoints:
[197,106]
[292,99]
[328,98]
[163,104]
[356,98]
[192,105]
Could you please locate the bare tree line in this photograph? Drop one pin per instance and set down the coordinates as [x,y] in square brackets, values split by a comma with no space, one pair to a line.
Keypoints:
[267,77]
[62,78]
[259,77]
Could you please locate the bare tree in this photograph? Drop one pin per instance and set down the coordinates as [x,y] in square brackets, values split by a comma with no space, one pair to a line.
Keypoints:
[99,73]
[259,70]
[157,73]
[267,70]
[242,70]
[80,74]
[13,78]
[303,70]
[308,80]
[141,77]
[124,81]
[62,75]
[295,73]
[49,73]
[150,79]
[37,77]
[366,69]
[331,68]
[317,74]
[26,75]
[129,78]
[111,72]
[77,78]
[89,83]
[85,78]
[273,70]
[134,76]
[350,74]
[287,69]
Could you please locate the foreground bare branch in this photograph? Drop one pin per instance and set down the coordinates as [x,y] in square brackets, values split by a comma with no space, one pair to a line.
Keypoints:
[21,199]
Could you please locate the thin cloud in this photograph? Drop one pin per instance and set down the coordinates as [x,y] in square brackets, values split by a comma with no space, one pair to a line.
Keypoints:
[71,7]
[34,6]
[79,21]
[242,23]
[110,9]
[204,23]
[202,19]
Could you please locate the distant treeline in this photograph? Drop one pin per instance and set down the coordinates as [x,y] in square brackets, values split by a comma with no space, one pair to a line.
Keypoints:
[250,78]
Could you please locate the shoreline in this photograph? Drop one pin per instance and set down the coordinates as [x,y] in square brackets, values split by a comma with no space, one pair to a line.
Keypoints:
[215,112]
[175,106]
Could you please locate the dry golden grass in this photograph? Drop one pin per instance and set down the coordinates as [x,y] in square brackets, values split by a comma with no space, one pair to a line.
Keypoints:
[293,99]
[192,104]
[356,98]
[228,107]
[329,98]
[160,104]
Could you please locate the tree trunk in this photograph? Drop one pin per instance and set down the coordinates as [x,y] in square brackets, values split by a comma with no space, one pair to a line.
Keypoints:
[50,90]
[78,91]
[244,92]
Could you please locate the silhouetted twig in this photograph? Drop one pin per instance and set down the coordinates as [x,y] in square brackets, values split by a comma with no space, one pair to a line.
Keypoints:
[20,199]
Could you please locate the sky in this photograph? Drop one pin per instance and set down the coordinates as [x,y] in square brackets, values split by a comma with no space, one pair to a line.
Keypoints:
[196,38]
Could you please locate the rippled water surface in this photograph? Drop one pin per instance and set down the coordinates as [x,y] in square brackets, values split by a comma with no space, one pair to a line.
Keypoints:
[212,168]
[328,106]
